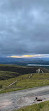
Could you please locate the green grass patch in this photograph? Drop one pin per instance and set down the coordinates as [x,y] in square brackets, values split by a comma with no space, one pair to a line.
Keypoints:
[4,75]
[44,106]
[24,82]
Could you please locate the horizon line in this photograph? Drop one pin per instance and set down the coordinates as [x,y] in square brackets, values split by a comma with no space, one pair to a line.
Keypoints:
[29,56]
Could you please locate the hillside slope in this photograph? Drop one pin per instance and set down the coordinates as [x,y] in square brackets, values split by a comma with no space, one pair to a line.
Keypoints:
[22,69]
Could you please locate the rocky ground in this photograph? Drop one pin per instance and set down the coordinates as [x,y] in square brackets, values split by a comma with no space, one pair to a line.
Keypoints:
[18,99]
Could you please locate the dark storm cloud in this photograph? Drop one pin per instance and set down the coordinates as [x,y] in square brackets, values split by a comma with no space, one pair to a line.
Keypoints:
[24,27]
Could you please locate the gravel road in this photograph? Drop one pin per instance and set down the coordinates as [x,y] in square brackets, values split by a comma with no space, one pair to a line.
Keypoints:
[18,99]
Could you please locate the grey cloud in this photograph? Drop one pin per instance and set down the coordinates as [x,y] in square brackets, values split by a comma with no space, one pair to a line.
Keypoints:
[24,27]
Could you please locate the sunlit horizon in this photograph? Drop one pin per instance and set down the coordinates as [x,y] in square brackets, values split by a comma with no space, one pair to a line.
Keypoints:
[30,56]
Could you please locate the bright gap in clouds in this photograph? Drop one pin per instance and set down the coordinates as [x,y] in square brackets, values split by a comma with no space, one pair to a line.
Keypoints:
[29,56]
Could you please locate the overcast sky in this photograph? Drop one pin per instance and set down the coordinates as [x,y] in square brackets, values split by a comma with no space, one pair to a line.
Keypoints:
[24,27]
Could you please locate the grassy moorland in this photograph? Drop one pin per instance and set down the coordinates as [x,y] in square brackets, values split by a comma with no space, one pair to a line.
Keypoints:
[22,82]
[44,106]
[13,78]
[22,69]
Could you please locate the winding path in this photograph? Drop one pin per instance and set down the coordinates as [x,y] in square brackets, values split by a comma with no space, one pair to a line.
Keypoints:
[18,99]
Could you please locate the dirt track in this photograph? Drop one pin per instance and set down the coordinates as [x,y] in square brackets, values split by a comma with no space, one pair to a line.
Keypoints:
[17,99]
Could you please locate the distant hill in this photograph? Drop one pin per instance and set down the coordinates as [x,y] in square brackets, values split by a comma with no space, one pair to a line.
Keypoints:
[12,71]
[24,61]
[22,69]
